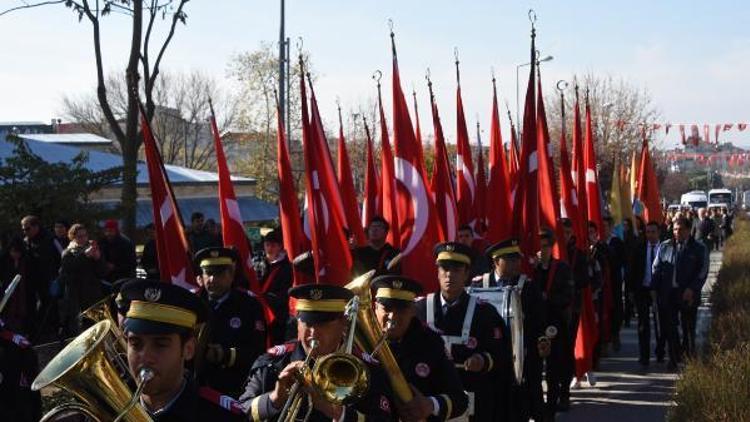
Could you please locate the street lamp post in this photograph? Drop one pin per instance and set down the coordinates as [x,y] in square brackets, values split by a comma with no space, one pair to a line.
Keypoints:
[518,108]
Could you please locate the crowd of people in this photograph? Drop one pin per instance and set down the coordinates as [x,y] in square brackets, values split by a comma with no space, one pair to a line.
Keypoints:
[456,351]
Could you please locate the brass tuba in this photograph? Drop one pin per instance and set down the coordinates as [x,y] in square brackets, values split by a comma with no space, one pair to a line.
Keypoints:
[371,339]
[117,350]
[83,368]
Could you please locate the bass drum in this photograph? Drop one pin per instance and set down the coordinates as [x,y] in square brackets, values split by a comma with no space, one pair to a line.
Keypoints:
[507,302]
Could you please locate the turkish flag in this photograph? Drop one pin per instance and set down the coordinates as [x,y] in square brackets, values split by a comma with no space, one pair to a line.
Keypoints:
[682,134]
[172,248]
[465,185]
[419,226]
[569,206]
[706,133]
[388,205]
[295,241]
[372,184]
[587,334]
[549,202]
[741,126]
[348,195]
[526,200]
[498,208]
[513,157]
[648,187]
[441,184]
[593,194]
[579,170]
[481,189]
[325,215]
[232,229]
[418,132]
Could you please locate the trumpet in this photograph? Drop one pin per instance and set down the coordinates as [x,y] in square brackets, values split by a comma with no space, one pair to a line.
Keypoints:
[340,377]
[84,369]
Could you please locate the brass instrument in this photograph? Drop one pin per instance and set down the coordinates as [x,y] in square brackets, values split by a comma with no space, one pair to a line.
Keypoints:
[371,339]
[83,368]
[118,349]
[340,377]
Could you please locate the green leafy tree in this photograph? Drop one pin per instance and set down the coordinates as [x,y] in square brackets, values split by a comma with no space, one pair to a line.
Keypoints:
[61,190]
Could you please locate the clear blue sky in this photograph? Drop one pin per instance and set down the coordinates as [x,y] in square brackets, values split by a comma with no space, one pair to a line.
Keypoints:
[693,56]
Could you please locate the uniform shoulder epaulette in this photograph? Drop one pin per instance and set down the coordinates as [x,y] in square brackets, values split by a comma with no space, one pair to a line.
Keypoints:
[282,349]
[435,330]
[221,400]
[246,291]
[14,338]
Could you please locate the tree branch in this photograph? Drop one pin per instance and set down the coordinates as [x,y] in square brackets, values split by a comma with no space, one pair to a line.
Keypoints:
[31,6]
[176,17]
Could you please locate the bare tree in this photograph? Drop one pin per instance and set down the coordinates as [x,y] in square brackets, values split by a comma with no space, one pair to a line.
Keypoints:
[180,121]
[618,110]
[255,74]
[143,59]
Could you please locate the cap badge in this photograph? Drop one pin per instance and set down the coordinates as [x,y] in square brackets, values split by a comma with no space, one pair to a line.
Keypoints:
[449,248]
[235,323]
[422,369]
[152,294]
[398,284]
[214,254]
[316,294]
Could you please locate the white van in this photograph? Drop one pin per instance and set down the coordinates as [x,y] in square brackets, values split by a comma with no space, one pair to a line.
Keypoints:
[720,196]
[694,199]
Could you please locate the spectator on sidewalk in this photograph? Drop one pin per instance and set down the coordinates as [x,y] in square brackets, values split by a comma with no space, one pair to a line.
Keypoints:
[20,311]
[43,265]
[118,253]
[60,240]
[149,260]
[80,277]
[198,236]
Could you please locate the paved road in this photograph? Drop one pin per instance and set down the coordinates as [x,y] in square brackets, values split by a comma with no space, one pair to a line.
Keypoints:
[624,391]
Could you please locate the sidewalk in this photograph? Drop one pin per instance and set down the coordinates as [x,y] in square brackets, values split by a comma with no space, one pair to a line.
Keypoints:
[625,392]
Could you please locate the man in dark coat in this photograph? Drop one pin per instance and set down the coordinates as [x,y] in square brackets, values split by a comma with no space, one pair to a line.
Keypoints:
[640,286]
[118,253]
[677,279]
[528,400]
[475,336]
[275,276]
[556,280]
[419,351]
[43,264]
[159,325]
[616,256]
[237,328]
[321,328]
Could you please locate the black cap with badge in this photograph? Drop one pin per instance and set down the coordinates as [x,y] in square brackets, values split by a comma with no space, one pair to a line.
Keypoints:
[317,303]
[452,252]
[156,307]
[505,248]
[215,258]
[395,290]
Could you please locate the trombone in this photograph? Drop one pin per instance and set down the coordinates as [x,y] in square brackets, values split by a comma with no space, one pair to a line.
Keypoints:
[340,377]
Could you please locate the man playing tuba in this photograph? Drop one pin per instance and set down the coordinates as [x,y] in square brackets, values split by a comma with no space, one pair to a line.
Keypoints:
[159,326]
[420,352]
